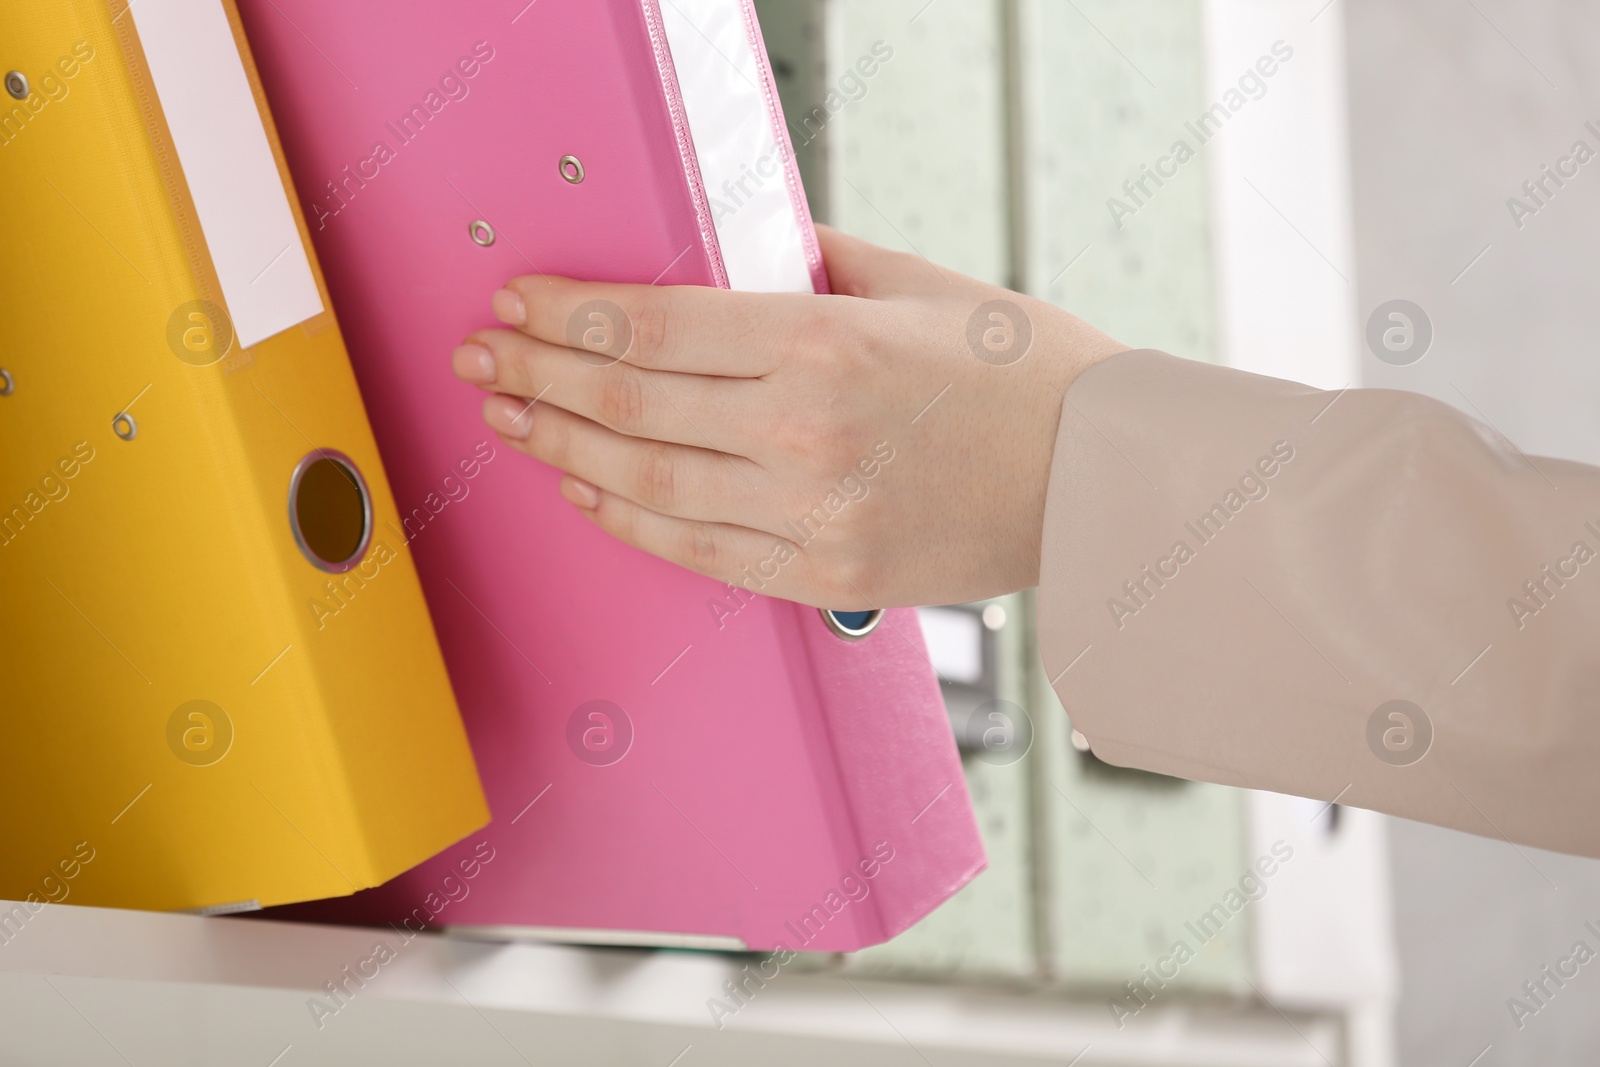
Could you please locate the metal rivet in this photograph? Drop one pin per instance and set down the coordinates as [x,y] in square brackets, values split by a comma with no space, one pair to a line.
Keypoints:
[124,426]
[854,629]
[481,232]
[6,384]
[17,84]
[572,169]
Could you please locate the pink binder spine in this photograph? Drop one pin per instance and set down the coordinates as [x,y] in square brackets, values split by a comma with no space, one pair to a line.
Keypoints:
[673,95]
[904,789]
[791,170]
[771,759]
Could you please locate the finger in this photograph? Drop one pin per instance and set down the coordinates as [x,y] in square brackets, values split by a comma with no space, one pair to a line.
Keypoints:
[862,269]
[688,329]
[726,552]
[639,403]
[671,479]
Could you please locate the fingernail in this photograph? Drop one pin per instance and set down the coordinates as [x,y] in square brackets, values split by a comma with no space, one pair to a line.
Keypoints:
[473,363]
[509,416]
[580,492]
[509,309]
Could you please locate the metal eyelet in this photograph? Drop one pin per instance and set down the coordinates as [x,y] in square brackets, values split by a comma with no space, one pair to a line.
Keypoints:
[322,511]
[17,84]
[572,169]
[852,625]
[481,232]
[124,426]
[7,386]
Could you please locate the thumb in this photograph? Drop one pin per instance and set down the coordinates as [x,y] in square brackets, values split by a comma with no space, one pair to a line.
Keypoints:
[862,269]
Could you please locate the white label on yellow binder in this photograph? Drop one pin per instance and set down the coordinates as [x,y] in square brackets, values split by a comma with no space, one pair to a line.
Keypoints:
[238,194]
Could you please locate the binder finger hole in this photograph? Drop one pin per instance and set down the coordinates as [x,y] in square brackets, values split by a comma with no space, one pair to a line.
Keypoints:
[572,169]
[852,625]
[124,426]
[330,510]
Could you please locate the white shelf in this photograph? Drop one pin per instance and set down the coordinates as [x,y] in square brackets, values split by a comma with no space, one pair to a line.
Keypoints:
[89,986]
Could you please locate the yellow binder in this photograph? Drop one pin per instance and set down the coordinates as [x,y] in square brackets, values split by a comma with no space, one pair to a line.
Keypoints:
[219,685]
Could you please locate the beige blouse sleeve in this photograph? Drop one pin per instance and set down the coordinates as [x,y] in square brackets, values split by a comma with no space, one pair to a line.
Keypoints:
[1361,595]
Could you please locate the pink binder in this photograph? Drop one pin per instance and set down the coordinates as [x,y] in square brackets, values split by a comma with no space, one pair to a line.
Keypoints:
[668,760]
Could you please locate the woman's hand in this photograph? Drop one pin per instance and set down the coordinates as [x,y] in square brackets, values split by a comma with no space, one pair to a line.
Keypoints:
[887,445]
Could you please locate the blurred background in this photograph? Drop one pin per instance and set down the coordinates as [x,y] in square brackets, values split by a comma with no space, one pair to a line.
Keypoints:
[1336,156]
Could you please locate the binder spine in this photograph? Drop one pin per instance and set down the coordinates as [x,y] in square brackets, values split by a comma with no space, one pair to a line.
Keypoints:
[673,95]
[791,169]
[737,138]
[204,273]
[335,791]
[877,695]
